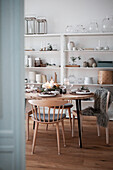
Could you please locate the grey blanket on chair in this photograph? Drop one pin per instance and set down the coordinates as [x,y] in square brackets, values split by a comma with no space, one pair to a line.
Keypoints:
[99,109]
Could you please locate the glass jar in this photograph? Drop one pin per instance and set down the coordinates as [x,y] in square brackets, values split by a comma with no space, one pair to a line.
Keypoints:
[111,23]
[70,29]
[41,25]
[37,62]
[106,24]
[72,79]
[80,28]
[93,27]
[30,25]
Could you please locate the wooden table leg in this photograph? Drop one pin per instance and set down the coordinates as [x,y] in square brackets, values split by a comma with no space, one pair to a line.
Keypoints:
[78,103]
[33,125]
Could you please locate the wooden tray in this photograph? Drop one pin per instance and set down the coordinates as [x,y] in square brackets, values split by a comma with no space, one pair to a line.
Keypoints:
[72,65]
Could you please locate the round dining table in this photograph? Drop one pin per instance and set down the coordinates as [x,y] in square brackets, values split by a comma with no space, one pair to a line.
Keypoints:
[76,97]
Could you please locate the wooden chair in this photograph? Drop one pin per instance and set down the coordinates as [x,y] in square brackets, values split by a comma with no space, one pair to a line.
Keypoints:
[28,115]
[67,107]
[98,127]
[54,115]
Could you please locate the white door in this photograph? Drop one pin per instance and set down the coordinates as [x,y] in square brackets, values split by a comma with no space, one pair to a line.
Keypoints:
[12,130]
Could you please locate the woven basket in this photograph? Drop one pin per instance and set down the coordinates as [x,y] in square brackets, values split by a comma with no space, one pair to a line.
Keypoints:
[105,77]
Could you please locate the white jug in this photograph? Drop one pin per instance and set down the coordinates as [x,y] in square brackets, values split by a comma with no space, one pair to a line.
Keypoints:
[70,45]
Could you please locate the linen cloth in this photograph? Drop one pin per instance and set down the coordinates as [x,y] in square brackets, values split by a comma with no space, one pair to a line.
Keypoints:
[99,109]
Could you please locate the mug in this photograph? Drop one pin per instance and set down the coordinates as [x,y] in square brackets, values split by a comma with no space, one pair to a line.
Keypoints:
[88,80]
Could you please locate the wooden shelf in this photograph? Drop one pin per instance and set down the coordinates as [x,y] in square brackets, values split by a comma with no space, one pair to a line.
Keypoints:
[70,34]
[42,35]
[90,68]
[89,34]
[43,52]
[89,51]
[43,68]
[36,83]
[98,85]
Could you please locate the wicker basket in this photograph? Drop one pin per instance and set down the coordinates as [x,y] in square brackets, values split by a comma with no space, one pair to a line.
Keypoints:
[105,77]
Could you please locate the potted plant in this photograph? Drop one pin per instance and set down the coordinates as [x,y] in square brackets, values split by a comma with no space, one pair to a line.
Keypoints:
[74,59]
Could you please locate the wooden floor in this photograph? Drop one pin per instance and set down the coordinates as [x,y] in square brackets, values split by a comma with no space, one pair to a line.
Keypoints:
[95,154]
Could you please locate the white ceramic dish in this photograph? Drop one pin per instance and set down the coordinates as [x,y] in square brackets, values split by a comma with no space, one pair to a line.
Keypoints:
[47,95]
[55,92]
[30,90]
[83,92]
[74,90]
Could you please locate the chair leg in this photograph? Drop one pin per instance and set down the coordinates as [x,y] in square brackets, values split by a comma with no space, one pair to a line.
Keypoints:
[107,135]
[73,125]
[98,130]
[47,127]
[69,112]
[27,124]
[63,133]
[58,137]
[34,137]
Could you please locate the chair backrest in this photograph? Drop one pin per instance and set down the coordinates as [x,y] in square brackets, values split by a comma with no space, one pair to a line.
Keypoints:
[102,99]
[45,108]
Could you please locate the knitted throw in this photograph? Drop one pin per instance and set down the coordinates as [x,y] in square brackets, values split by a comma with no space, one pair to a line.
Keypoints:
[99,109]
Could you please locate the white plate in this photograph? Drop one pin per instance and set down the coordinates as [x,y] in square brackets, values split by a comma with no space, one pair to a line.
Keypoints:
[55,92]
[74,90]
[82,92]
[30,90]
[47,95]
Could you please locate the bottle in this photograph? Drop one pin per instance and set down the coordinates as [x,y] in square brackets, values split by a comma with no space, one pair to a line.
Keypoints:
[30,62]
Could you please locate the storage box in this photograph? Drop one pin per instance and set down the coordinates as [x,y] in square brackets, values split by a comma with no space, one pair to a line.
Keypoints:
[105,64]
[105,77]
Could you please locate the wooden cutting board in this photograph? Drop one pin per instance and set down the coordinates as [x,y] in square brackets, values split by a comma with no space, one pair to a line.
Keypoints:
[72,65]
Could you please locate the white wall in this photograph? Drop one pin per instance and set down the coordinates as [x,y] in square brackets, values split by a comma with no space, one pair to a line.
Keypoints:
[60,13]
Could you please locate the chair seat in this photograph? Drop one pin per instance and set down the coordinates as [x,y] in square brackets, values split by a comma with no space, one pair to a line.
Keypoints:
[51,117]
[89,111]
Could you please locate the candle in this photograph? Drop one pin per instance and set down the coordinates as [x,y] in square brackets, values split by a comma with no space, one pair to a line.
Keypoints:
[52,83]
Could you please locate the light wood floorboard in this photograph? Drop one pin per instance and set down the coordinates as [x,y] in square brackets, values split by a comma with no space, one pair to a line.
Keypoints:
[95,154]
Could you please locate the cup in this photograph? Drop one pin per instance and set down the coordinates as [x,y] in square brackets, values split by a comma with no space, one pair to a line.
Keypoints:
[32,77]
[38,78]
[88,80]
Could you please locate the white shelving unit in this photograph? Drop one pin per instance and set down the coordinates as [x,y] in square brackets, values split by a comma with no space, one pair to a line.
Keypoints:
[62,53]
[35,41]
[87,40]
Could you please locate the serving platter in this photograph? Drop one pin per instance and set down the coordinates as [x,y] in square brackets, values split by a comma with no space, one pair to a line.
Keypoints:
[83,92]
[47,95]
